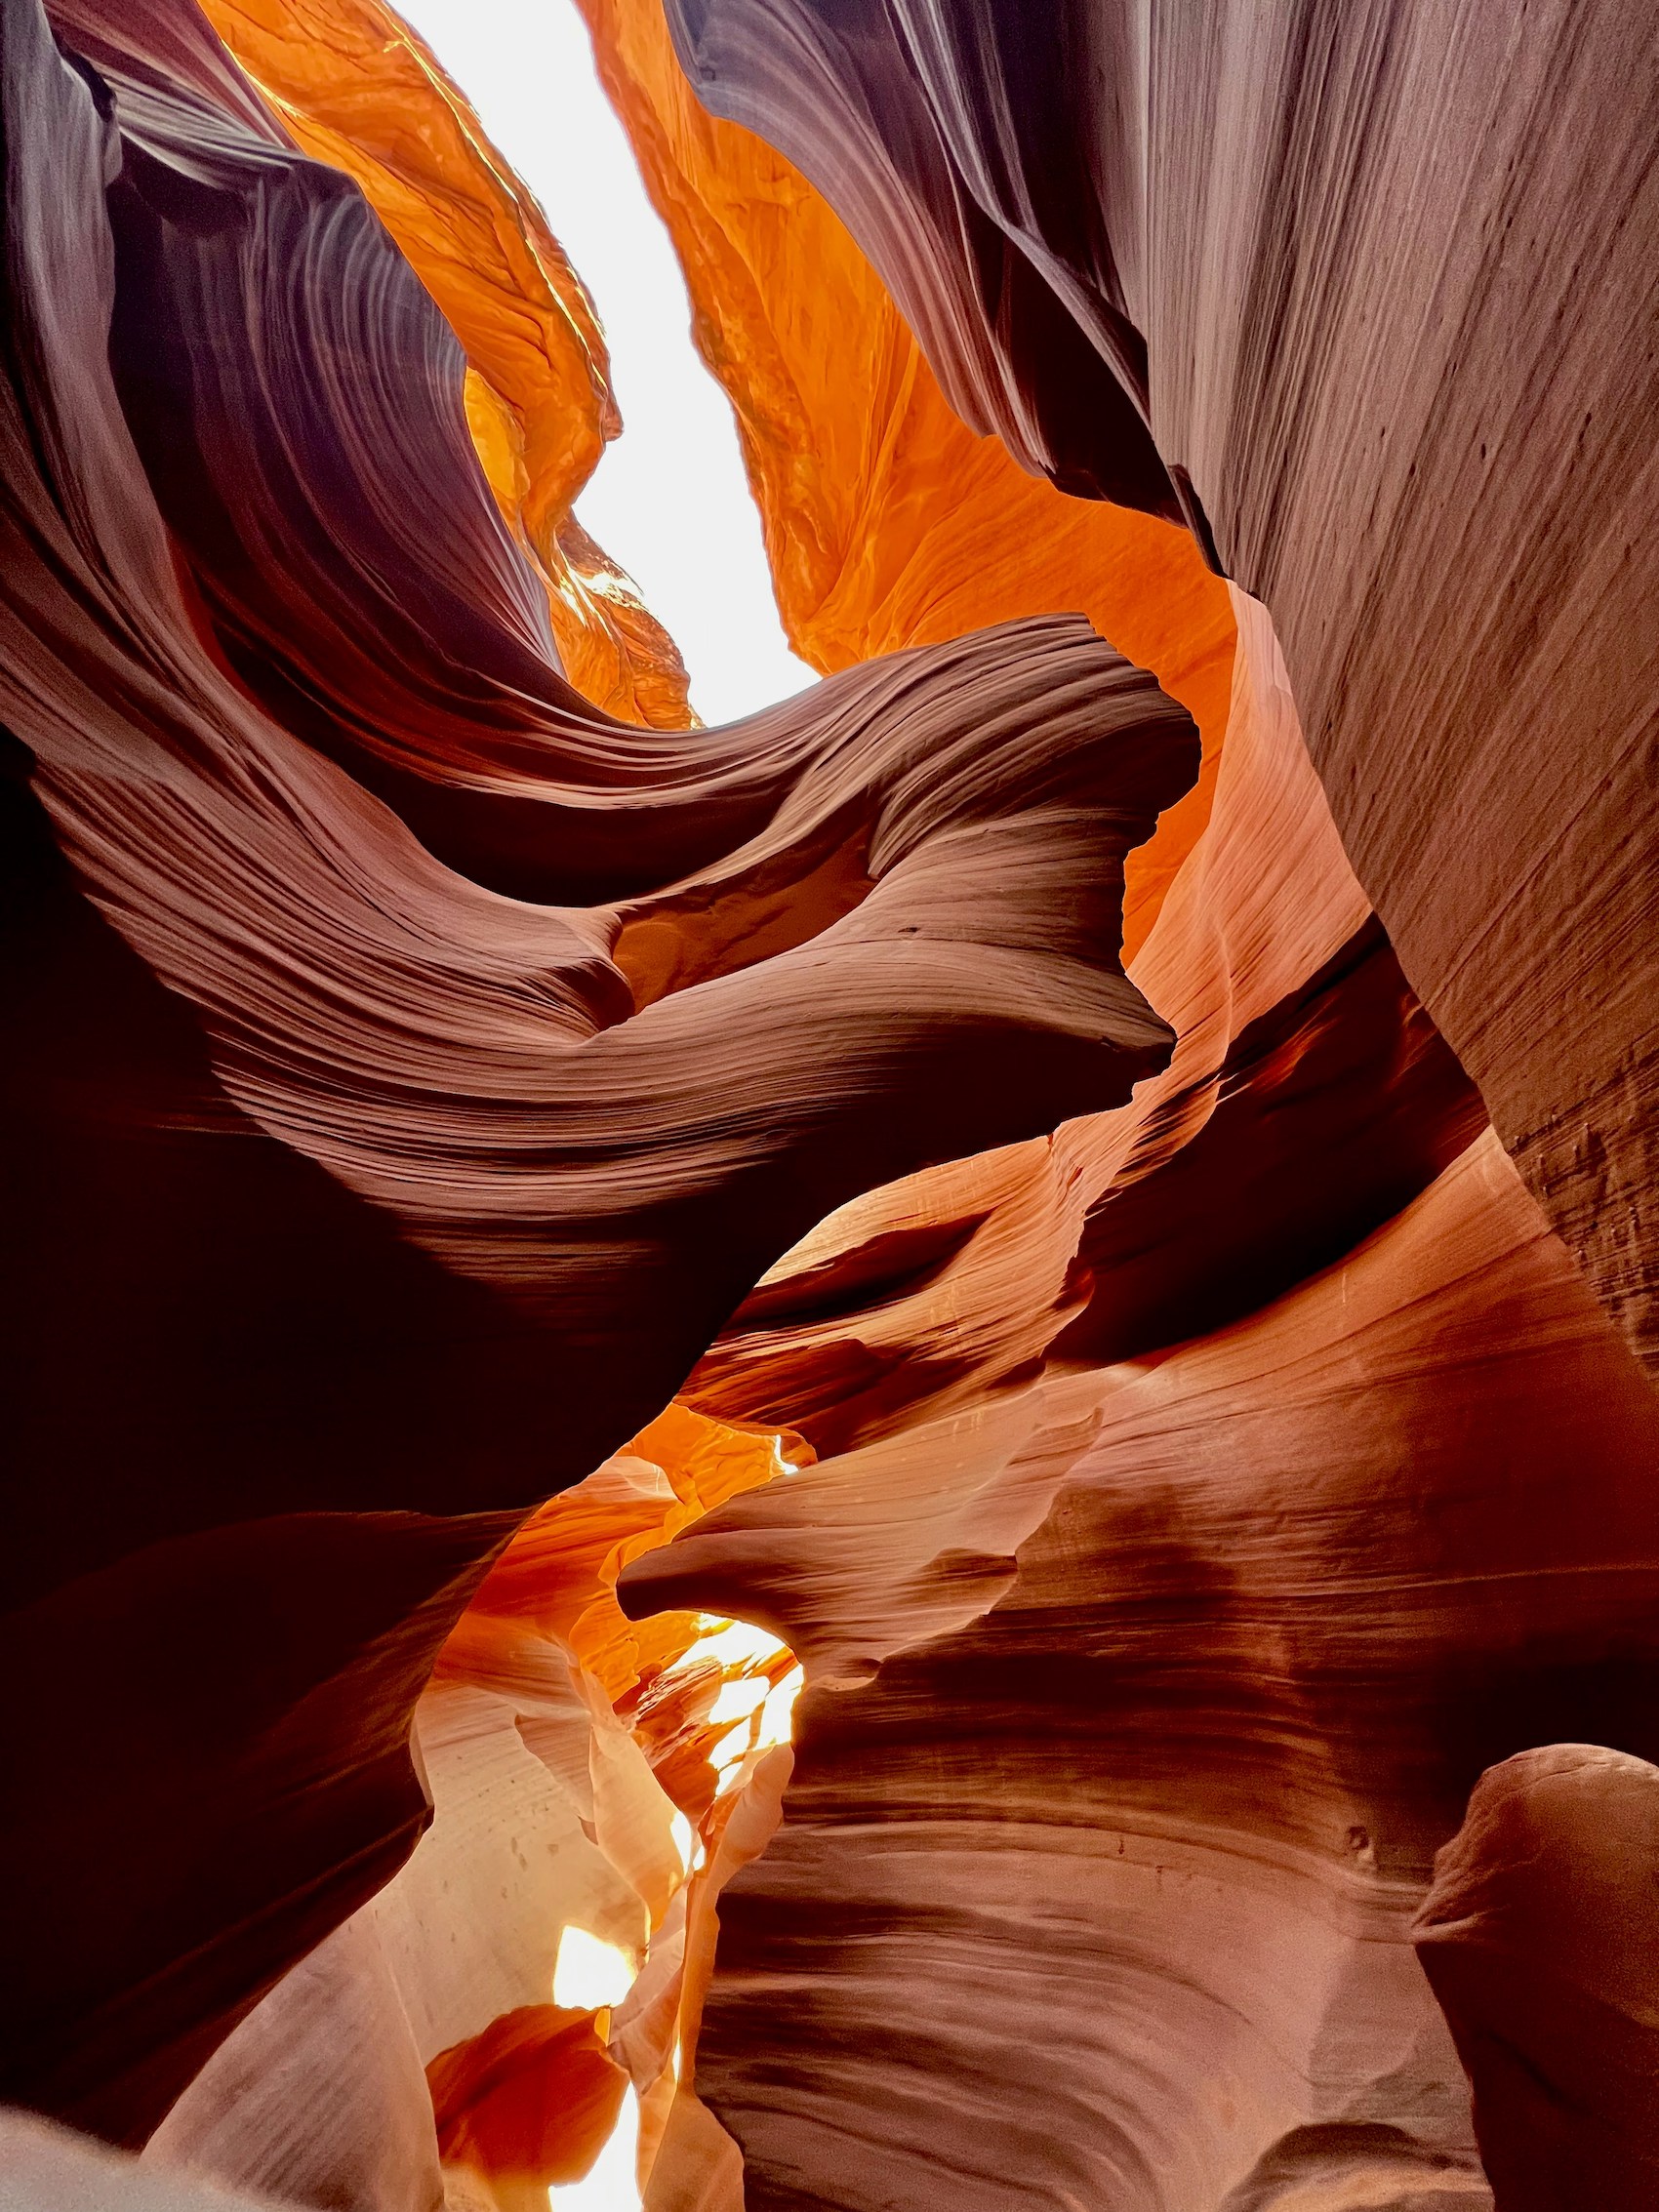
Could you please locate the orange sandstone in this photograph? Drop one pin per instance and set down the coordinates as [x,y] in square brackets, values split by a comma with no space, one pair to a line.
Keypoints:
[888,522]
[359,89]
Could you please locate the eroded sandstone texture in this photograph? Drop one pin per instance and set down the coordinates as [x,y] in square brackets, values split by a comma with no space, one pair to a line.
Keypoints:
[1368,292]
[1069,1222]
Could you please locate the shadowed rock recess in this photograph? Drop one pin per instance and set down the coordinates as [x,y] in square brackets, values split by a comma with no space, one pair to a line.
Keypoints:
[901,1458]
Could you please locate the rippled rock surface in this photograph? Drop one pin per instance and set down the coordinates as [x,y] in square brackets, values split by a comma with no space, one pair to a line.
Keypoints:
[403,1052]
[1367,292]
[1067,1222]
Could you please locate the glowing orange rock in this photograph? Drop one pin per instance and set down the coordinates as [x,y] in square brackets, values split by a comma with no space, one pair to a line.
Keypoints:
[888,523]
[499,2097]
[530,2101]
[558,1576]
[361,91]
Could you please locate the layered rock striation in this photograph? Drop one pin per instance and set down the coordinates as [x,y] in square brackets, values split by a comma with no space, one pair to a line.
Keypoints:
[1367,295]
[405,1057]
[1127,1164]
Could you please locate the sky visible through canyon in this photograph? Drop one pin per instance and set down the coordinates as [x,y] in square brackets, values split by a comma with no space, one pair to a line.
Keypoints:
[670,500]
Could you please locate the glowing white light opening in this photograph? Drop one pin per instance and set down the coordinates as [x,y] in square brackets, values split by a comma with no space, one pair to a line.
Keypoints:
[754,1711]
[738,1646]
[590,1973]
[687,1842]
[778,1715]
[612,2183]
[737,1700]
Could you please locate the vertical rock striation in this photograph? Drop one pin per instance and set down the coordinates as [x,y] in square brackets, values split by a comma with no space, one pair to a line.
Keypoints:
[1373,290]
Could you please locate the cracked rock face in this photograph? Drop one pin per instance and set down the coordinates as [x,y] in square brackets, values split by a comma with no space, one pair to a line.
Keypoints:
[1062,1222]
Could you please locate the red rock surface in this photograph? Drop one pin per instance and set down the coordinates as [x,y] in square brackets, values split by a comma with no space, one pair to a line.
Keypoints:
[375,1200]
[1370,294]
[1538,1937]
[534,1225]
[530,2101]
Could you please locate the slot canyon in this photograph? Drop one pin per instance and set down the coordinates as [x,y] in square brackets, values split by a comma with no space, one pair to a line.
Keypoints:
[899,1453]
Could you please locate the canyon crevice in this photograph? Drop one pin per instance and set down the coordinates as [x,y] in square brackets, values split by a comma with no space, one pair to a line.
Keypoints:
[902,1454]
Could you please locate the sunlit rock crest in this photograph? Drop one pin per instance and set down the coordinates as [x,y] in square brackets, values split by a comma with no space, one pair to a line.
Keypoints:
[359,89]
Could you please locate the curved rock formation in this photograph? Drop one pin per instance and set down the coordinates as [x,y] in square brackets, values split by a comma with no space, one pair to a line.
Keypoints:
[888,523]
[426,1195]
[1002,1092]
[1372,288]
[1144,1762]
[362,92]
[1259,1608]
[963,156]
[588,1784]
[1540,1938]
